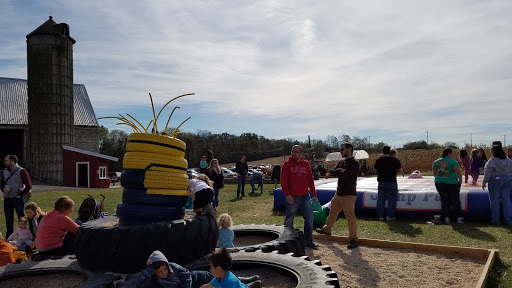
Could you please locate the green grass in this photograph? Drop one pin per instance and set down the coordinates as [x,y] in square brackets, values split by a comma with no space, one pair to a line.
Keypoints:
[258,209]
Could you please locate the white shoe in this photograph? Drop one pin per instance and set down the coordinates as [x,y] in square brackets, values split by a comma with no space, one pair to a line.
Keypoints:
[460,220]
[390,218]
[447,220]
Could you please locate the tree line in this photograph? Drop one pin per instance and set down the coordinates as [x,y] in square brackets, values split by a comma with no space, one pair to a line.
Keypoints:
[228,147]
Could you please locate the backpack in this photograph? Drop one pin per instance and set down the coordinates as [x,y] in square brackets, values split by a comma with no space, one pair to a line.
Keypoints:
[90,209]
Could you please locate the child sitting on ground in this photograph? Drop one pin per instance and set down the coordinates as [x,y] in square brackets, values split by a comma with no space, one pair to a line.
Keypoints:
[226,234]
[201,191]
[162,273]
[220,264]
[24,235]
[415,175]
[6,252]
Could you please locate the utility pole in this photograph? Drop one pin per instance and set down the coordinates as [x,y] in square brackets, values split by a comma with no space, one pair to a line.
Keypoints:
[504,139]
[427,139]
[471,139]
[369,143]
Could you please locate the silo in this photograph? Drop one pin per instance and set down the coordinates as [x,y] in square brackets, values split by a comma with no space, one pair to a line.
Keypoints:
[50,99]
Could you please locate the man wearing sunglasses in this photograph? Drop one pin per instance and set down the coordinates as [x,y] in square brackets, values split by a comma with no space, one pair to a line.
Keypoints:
[344,200]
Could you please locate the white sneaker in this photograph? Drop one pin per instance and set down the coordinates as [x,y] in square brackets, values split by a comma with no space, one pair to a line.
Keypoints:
[390,218]
[447,220]
[460,220]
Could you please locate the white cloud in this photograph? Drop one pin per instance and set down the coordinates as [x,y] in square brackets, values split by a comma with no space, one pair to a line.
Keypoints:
[299,67]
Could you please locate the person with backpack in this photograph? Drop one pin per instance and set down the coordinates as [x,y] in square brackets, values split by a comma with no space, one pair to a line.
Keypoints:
[15,184]
[56,232]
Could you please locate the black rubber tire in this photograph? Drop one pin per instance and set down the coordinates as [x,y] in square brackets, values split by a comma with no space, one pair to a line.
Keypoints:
[288,240]
[149,213]
[139,178]
[139,196]
[67,264]
[309,273]
[101,245]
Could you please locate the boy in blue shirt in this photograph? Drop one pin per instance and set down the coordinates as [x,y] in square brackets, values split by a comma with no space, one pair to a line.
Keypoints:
[220,264]
[161,273]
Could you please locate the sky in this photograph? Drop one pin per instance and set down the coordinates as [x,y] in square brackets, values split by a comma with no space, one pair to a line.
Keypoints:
[386,70]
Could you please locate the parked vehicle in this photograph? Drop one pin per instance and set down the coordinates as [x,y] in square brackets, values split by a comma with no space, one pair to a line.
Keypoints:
[228,173]
[115,176]
[192,173]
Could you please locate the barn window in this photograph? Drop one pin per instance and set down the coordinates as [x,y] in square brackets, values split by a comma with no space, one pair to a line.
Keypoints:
[103,172]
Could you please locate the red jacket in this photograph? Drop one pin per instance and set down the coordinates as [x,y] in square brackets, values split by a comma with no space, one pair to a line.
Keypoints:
[296,178]
[52,230]
[6,253]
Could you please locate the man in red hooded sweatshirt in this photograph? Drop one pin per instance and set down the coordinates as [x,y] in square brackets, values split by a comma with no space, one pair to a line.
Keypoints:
[296,178]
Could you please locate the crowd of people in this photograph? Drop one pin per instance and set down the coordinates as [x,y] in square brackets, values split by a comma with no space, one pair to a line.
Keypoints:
[53,232]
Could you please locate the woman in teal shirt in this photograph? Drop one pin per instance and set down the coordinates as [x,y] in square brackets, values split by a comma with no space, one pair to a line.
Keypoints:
[448,179]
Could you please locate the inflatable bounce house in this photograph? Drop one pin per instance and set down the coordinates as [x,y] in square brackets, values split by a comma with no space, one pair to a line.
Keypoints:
[417,198]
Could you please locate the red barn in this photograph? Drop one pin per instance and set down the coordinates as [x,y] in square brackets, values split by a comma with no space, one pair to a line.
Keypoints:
[82,168]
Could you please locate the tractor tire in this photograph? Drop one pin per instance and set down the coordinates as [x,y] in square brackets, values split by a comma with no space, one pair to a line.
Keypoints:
[60,266]
[287,240]
[154,143]
[103,246]
[308,273]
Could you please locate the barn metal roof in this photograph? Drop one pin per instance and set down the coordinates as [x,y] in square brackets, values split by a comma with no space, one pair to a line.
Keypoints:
[90,153]
[14,110]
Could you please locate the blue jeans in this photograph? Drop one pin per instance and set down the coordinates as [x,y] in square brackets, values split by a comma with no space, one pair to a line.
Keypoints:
[200,278]
[387,190]
[241,183]
[499,189]
[257,178]
[215,202]
[11,205]
[303,203]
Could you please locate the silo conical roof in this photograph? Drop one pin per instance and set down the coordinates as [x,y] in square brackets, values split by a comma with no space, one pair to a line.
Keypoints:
[51,27]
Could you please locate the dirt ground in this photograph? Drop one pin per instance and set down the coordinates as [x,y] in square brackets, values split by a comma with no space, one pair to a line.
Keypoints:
[361,267]
[382,267]
[378,267]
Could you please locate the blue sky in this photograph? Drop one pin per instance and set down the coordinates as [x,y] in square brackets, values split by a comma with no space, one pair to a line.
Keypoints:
[390,70]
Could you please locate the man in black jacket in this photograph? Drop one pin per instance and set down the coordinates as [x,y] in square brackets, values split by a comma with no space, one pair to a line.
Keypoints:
[242,169]
[344,200]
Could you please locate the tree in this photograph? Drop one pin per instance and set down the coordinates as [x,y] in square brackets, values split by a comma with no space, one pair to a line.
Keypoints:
[377,147]
[344,138]
[332,142]
[451,145]
[113,143]
[415,145]
[359,142]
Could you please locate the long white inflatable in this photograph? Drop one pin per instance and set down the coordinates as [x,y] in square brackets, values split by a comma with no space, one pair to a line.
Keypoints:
[417,198]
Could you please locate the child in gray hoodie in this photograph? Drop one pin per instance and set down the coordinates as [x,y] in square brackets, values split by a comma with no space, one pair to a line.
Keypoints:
[498,173]
[162,273]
